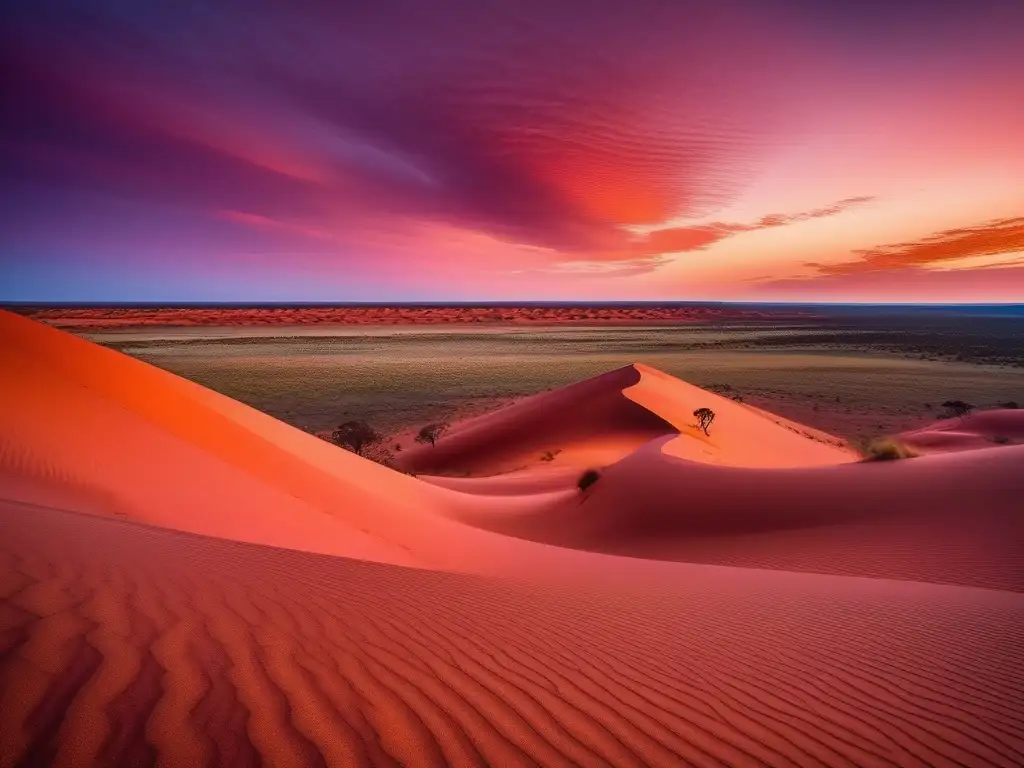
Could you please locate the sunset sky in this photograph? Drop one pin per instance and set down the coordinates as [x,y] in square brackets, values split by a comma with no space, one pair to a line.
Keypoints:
[404,150]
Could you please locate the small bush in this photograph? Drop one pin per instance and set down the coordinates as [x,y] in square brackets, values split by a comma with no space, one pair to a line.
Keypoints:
[958,407]
[888,450]
[550,455]
[1011,405]
[587,479]
[1001,440]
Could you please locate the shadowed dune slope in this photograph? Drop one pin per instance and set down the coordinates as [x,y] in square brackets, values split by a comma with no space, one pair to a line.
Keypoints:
[591,418]
[955,519]
[126,644]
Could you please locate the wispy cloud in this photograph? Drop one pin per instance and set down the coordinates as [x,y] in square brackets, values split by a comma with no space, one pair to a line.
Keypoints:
[991,238]
[695,238]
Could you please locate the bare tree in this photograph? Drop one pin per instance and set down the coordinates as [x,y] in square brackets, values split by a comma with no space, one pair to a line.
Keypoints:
[355,436]
[704,418]
[432,433]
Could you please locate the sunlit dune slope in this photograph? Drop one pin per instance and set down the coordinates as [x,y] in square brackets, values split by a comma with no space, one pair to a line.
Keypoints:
[603,419]
[124,644]
[94,430]
[740,435]
[977,430]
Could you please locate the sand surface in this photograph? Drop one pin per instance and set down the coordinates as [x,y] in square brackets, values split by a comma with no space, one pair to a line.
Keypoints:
[187,581]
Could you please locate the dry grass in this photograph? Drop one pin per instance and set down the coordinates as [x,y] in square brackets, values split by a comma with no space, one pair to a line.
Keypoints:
[888,450]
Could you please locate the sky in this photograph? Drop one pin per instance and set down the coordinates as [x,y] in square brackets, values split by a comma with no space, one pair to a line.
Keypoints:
[465,150]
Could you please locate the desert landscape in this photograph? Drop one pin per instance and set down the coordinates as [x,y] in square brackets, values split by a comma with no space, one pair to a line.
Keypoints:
[512,384]
[187,580]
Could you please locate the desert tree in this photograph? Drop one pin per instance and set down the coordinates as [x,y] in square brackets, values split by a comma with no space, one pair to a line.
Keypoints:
[355,436]
[704,418]
[432,433]
[958,407]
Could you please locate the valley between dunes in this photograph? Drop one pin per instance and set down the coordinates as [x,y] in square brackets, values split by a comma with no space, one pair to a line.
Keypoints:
[187,581]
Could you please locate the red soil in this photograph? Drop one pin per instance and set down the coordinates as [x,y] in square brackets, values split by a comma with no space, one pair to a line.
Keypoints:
[116,317]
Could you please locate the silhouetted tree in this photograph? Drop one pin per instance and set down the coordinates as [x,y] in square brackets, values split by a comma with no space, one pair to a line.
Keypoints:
[704,418]
[587,479]
[355,436]
[432,433]
[958,407]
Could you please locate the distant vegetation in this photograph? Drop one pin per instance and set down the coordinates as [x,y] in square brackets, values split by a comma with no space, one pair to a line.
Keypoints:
[432,432]
[888,450]
[957,407]
[1010,404]
[355,436]
[704,418]
[550,455]
[1001,440]
[587,479]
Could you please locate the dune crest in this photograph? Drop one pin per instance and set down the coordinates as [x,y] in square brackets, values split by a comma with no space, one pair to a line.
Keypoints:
[601,420]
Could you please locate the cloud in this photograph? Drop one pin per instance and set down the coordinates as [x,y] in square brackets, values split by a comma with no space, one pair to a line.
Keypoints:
[701,236]
[992,238]
[910,284]
[529,122]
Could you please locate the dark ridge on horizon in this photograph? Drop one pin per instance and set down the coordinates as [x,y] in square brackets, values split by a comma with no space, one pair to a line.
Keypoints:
[16,305]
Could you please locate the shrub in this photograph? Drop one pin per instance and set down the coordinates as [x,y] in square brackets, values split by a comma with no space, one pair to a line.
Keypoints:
[1001,440]
[355,436]
[550,455]
[704,418]
[958,407]
[888,450]
[1010,404]
[587,479]
[432,433]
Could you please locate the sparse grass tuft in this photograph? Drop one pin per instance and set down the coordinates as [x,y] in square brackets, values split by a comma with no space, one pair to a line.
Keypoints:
[888,450]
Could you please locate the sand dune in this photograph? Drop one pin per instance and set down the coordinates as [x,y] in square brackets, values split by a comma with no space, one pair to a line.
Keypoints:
[601,420]
[953,519]
[977,430]
[124,643]
[184,580]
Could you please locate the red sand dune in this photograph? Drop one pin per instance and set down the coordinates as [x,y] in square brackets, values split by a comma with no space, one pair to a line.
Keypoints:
[601,420]
[515,638]
[977,430]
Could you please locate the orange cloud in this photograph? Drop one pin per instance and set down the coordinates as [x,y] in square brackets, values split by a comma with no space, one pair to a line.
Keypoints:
[991,238]
[698,237]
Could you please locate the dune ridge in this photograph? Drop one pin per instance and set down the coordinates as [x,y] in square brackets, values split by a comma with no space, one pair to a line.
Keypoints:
[186,581]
